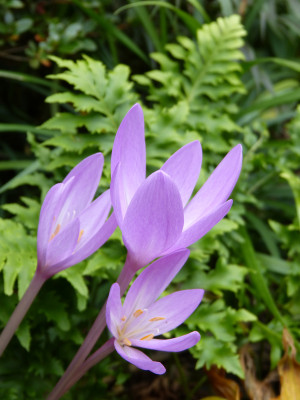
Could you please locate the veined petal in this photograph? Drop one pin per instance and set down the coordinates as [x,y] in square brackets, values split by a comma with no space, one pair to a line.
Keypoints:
[114,309]
[177,344]
[93,243]
[46,220]
[184,168]
[139,359]
[130,151]
[153,281]
[202,226]
[93,218]
[118,195]
[216,189]
[86,176]
[174,308]
[61,246]
[154,218]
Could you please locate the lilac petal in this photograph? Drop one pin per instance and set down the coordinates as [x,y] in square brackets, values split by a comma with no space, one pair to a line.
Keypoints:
[175,308]
[118,195]
[154,218]
[62,245]
[177,344]
[94,242]
[139,359]
[201,227]
[46,220]
[86,176]
[153,281]
[216,189]
[93,217]
[130,151]
[114,309]
[184,168]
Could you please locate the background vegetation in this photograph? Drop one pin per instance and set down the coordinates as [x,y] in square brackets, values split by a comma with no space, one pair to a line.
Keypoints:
[222,72]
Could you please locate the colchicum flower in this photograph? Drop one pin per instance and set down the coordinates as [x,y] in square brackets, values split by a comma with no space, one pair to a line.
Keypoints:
[71,225]
[154,213]
[142,317]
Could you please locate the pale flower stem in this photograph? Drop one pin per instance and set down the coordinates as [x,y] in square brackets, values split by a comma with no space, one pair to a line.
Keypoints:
[107,348]
[20,311]
[97,328]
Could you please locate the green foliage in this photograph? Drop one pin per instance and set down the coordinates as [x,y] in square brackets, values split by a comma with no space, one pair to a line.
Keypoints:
[17,248]
[249,264]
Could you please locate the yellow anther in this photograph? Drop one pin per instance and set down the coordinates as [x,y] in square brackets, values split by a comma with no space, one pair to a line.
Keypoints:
[148,337]
[157,319]
[80,235]
[127,342]
[123,318]
[56,231]
[137,313]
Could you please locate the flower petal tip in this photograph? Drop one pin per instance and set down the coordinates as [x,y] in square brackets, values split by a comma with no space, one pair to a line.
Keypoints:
[159,369]
[196,337]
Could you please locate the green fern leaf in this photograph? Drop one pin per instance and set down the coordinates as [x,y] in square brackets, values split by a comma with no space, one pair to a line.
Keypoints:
[17,256]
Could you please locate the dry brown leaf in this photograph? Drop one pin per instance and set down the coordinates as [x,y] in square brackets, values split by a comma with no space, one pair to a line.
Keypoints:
[256,390]
[289,370]
[212,398]
[223,386]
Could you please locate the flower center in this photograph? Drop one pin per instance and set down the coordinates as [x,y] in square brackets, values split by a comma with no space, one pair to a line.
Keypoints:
[137,326]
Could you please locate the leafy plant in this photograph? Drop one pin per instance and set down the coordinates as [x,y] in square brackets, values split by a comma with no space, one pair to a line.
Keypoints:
[195,92]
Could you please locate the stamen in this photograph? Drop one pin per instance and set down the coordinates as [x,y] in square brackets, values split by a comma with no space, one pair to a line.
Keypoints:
[127,342]
[80,235]
[148,337]
[137,313]
[157,319]
[123,318]
[57,229]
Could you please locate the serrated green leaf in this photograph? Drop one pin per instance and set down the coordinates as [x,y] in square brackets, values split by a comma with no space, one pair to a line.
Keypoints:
[29,215]
[210,351]
[74,277]
[73,143]
[17,256]
[224,277]
[23,335]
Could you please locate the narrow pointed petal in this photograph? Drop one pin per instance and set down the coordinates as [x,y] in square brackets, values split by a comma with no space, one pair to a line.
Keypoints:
[154,219]
[130,151]
[147,287]
[184,168]
[217,188]
[177,344]
[86,176]
[202,226]
[139,359]
[174,308]
[114,309]
[46,220]
[118,195]
[62,245]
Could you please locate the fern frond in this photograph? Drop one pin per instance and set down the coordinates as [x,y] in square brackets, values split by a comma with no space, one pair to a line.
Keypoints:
[210,64]
[195,84]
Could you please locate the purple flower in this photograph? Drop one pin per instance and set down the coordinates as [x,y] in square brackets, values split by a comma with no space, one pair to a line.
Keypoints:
[71,225]
[141,318]
[154,213]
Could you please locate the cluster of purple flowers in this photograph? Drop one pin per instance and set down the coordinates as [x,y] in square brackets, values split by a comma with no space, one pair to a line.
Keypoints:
[158,222]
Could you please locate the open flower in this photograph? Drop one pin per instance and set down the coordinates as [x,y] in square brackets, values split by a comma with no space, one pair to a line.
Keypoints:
[154,213]
[142,317]
[71,225]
